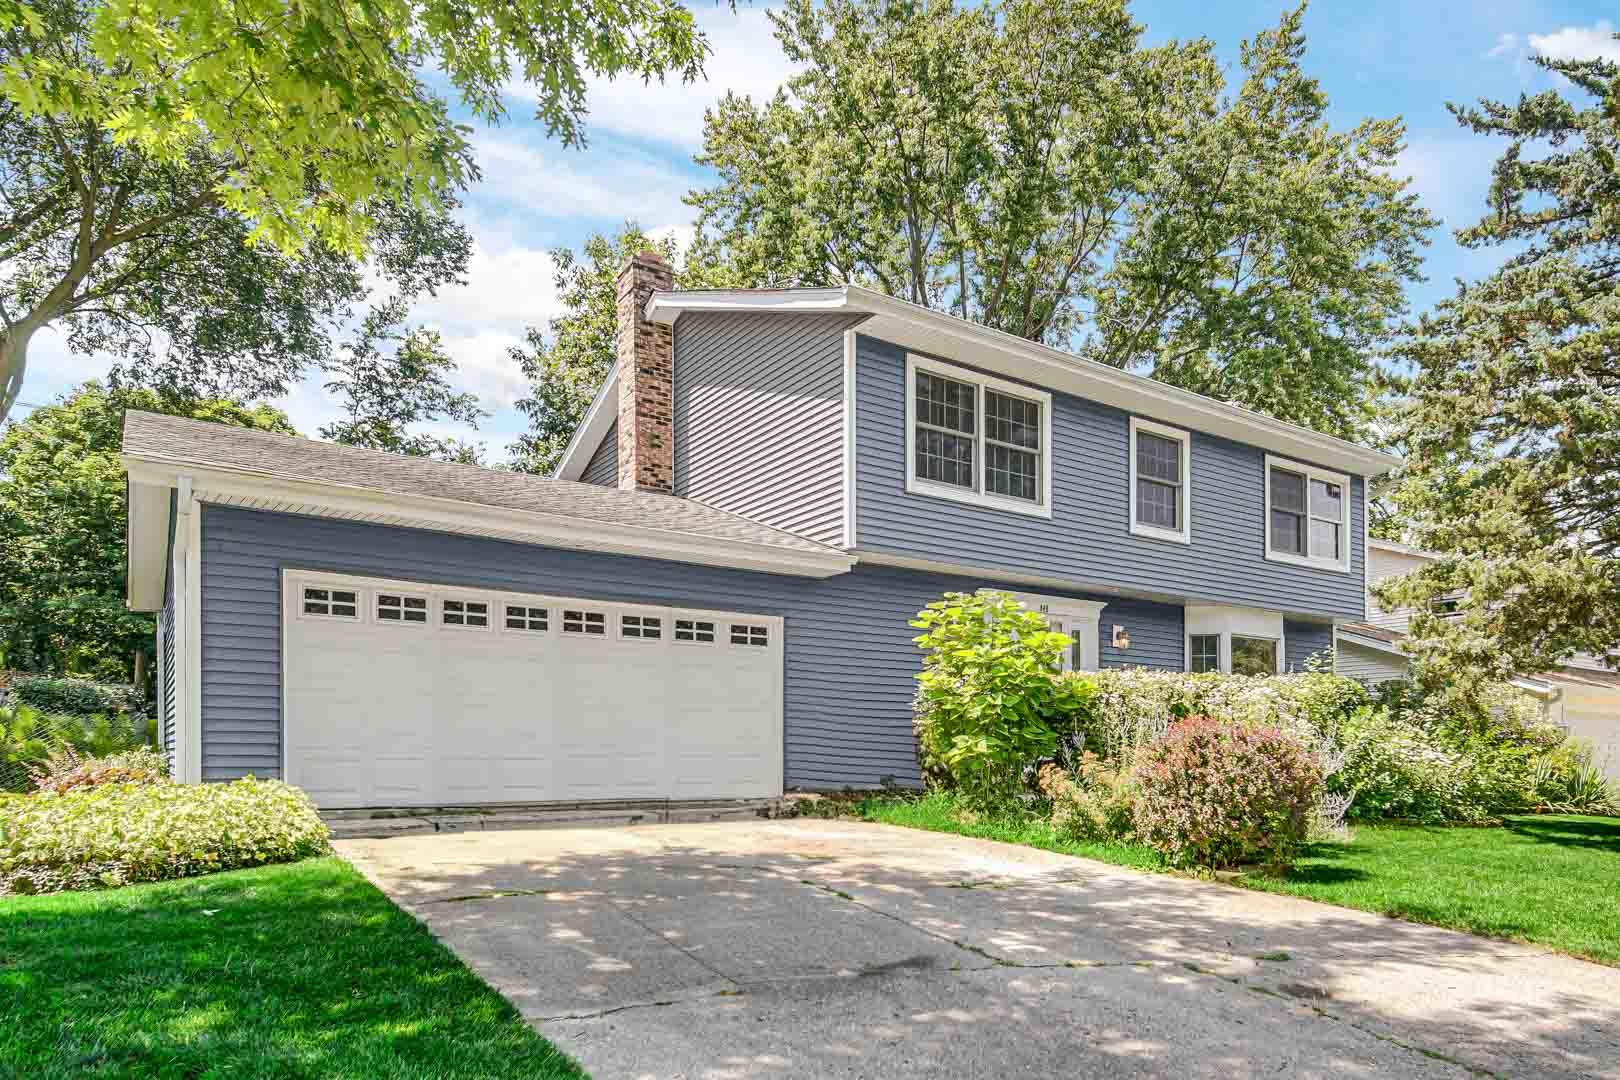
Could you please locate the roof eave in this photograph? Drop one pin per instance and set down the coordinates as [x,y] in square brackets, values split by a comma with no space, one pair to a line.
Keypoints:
[455,515]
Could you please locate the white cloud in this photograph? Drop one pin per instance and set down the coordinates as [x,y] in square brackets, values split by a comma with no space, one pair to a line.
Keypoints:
[745,58]
[1578,42]
[543,180]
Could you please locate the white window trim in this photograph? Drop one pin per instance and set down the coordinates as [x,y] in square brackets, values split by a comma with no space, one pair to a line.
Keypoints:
[376,617]
[608,613]
[978,496]
[770,634]
[1085,617]
[1310,472]
[1184,512]
[362,601]
[527,603]
[716,628]
[666,627]
[1202,620]
[464,598]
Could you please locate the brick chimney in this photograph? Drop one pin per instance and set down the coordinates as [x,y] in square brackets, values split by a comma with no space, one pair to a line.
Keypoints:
[646,380]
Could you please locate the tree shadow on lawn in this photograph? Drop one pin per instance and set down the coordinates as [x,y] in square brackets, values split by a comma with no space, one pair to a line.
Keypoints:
[1600,834]
[281,971]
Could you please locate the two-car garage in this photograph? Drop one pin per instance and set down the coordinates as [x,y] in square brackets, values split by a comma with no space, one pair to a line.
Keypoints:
[407,694]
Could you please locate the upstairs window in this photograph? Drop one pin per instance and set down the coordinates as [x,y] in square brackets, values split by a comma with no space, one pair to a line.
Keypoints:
[1307,515]
[1160,489]
[977,439]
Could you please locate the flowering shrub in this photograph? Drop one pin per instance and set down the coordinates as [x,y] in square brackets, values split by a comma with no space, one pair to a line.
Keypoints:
[1093,803]
[66,769]
[989,702]
[117,834]
[1216,794]
[29,736]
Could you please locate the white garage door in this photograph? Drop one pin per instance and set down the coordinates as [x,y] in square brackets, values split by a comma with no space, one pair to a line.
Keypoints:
[401,694]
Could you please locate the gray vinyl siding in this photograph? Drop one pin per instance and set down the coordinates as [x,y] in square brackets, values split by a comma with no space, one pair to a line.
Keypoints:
[850,662]
[1088,539]
[1370,666]
[1302,640]
[759,418]
[603,468]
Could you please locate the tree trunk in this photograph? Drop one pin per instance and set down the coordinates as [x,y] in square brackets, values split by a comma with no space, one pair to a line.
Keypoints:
[13,361]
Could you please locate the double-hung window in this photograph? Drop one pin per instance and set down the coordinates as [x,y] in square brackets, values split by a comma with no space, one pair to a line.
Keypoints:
[1161,492]
[1307,515]
[977,439]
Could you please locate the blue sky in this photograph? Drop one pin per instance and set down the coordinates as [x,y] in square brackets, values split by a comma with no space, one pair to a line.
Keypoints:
[1373,57]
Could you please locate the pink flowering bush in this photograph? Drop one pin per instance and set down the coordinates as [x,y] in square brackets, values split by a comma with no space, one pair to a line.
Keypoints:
[1216,795]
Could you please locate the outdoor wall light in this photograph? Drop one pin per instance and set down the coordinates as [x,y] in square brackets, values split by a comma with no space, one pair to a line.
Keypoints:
[1122,638]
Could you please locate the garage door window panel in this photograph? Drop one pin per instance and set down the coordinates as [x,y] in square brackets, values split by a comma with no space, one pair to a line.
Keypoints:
[467,614]
[641,627]
[584,623]
[401,609]
[750,635]
[528,619]
[331,603]
[694,631]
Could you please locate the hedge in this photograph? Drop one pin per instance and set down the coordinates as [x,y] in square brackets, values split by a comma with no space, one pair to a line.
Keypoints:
[118,834]
[75,697]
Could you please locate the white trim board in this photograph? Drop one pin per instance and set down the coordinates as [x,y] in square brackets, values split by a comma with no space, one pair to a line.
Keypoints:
[1313,474]
[590,432]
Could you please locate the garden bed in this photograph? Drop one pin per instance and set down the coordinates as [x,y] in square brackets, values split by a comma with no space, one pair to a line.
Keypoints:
[1545,879]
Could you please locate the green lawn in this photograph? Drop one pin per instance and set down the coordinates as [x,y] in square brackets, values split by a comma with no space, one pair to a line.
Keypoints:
[1552,880]
[279,972]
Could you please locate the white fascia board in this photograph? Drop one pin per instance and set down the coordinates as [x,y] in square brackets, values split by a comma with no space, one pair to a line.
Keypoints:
[531,526]
[148,546]
[917,327]
[1400,549]
[588,435]
[666,307]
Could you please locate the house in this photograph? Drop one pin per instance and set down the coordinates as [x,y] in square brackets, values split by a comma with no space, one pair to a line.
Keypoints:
[1582,697]
[712,597]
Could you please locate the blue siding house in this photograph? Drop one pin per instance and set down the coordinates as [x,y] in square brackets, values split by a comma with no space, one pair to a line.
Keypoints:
[711,598]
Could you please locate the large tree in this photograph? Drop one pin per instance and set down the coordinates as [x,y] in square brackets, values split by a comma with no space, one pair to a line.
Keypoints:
[566,361]
[1028,164]
[1513,427]
[62,529]
[190,184]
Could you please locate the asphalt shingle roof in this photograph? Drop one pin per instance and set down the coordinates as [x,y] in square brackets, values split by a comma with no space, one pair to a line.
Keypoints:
[289,457]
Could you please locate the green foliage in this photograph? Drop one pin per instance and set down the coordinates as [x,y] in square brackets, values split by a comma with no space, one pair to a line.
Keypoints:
[1096,802]
[28,738]
[65,769]
[1213,794]
[392,376]
[118,834]
[1133,707]
[76,697]
[565,370]
[988,701]
[1512,431]
[1030,165]
[62,520]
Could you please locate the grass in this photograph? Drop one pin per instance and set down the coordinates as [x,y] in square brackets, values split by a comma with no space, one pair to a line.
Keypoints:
[1550,880]
[288,971]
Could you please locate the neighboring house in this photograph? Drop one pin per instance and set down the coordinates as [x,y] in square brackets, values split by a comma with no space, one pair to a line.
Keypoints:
[712,600]
[1582,697]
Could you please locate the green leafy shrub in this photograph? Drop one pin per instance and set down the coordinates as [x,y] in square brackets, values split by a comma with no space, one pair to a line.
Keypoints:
[117,834]
[1215,794]
[1133,707]
[989,703]
[1395,769]
[75,697]
[65,770]
[1095,802]
[29,736]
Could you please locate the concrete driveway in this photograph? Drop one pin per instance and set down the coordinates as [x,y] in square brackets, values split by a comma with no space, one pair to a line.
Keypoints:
[809,948]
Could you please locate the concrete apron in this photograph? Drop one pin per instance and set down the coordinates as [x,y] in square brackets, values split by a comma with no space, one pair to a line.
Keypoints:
[812,948]
[397,821]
